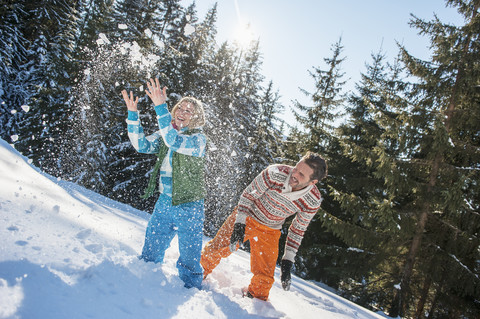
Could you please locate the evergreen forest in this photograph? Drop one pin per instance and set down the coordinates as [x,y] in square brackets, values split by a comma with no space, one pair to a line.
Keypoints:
[398,230]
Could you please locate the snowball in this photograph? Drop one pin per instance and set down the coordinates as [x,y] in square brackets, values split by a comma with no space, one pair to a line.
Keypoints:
[102,39]
[451,142]
[159,43]
[122,26]
[148,33]
[13,111]
[189,29]
[212,147]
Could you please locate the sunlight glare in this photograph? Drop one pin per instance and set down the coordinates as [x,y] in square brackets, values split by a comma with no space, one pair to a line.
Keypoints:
[244,35]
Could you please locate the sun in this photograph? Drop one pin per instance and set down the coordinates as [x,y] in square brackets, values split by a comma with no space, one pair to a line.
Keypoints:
[244,35]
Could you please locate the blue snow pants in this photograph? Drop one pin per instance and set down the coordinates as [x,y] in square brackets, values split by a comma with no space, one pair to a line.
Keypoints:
[186,221]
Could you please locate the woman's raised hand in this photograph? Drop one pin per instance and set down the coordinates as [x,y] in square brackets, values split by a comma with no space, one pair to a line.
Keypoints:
[156,93]
[131,103]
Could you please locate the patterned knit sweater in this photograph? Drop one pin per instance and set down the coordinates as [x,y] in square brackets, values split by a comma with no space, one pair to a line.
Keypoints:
[269,200]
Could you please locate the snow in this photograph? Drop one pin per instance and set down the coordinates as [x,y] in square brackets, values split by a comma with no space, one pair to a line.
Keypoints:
[189,29]
[67,252]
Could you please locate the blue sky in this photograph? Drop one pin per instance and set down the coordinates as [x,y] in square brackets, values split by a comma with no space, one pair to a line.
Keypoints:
[296,35]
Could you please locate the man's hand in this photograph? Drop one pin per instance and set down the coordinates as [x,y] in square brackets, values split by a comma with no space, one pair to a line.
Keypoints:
[237,236]
[131,103]
[286,277]
[156,93]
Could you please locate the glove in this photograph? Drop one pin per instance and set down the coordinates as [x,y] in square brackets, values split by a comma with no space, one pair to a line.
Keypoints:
[286,277]
[237,236]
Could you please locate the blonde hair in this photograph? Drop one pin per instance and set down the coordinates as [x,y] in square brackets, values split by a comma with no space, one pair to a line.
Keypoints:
[198,117]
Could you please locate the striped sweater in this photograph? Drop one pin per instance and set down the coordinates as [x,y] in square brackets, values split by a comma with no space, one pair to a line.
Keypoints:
[192,145]
[269,200]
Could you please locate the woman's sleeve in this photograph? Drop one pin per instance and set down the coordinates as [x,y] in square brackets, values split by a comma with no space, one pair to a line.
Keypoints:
[193,145]
[143,144]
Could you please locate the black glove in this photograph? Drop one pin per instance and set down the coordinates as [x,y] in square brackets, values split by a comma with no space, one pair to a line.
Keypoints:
[237,236]
[286,277]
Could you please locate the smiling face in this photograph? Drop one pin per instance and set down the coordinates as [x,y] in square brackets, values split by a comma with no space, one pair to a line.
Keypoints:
[300,177]
[183,114]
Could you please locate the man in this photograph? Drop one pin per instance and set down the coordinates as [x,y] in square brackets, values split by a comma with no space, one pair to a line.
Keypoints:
[275,194]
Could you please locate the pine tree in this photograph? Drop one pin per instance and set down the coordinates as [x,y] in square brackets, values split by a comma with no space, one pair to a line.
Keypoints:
[317,135]
[363,215]
[13,54]
[319,119]
[266,139]
[443,139]
[105,160]
[246,107]
[49,32]
[264,142]
[220,131]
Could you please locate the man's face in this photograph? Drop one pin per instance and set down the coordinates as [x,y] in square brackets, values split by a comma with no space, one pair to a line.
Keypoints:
[183,114]
[300,177]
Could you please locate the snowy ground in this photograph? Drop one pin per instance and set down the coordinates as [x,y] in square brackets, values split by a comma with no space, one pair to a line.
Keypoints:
[66,252]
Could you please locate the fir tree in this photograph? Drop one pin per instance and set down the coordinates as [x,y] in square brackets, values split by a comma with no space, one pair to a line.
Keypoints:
[443,138]
[49,73]
[265,142]
[327,99]
[13,54]
[106,162]
[317,135]
[220,127]
[363,215]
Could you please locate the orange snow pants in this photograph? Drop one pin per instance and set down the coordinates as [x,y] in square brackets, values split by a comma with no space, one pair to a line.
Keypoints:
[263,253]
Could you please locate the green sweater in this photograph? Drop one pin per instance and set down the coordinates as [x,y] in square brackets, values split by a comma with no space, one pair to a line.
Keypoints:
[188,175]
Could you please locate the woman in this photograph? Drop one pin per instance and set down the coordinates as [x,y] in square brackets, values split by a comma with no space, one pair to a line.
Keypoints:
[180,146]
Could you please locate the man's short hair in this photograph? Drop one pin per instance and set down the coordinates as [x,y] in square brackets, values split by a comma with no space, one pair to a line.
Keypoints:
[317,163]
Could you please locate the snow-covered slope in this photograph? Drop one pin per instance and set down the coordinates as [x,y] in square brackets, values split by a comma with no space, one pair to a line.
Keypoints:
[66,252]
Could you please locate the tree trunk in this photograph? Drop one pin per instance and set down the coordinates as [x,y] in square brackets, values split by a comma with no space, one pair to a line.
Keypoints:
[400,300]
[423,298]
[431,313]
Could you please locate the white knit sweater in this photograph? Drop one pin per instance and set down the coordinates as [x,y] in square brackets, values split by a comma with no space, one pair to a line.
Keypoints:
[270,200]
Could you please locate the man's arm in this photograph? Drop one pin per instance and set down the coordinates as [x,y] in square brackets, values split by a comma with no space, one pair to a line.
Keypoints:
[252,192]
[295,235]
[296,231]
